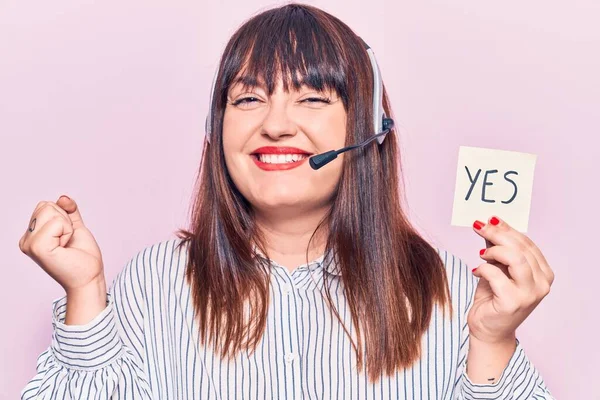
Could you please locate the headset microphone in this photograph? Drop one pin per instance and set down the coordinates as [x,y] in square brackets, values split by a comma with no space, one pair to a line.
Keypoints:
[322,159]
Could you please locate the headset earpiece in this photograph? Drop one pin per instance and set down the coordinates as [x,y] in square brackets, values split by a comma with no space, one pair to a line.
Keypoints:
[208,122]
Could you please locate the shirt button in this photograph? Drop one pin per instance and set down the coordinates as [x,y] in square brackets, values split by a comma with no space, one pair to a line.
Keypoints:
[287,288]
[289,357]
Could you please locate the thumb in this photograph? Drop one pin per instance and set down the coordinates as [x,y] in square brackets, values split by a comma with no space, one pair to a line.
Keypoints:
[70,207]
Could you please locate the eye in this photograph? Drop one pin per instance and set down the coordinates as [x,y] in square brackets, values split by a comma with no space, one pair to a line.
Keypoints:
[244,100]
[310,100]
[317,100]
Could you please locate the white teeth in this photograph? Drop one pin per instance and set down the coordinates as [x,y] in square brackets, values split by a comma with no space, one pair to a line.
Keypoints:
[280,158]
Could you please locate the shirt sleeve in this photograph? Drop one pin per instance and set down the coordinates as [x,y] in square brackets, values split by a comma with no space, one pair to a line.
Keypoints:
[102,359]
[519,380]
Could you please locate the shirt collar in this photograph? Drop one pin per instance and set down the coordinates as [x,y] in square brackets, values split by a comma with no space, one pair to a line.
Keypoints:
[326,260]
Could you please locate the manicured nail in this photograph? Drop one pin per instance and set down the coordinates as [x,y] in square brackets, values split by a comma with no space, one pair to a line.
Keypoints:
[64,195]
[494,221]
[474,269]
[478,224]
[481,252]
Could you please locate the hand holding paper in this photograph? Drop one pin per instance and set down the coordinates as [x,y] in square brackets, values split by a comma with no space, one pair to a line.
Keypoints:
[515,276]
[514,279]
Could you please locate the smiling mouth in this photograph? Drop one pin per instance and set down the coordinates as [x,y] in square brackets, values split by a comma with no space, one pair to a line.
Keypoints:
[280,162]
[279,158]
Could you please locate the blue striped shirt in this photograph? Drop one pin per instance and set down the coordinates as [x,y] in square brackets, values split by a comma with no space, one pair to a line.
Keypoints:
[144,344]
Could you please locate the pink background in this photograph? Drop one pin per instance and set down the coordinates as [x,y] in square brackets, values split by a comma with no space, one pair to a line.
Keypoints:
[105,101]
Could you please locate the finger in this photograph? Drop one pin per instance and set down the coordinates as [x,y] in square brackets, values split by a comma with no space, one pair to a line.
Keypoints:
[488,244]
[70,207]
[46,211]
[59,210]
[497,232]
[44,214]
[47,238]
[33,216]
[64,239]
[504,288]
[37,207]
[34,223]
[501,267]
[517,263]
[500,233]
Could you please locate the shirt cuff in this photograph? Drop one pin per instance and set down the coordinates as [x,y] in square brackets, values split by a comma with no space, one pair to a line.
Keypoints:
[85,347]
[496,390]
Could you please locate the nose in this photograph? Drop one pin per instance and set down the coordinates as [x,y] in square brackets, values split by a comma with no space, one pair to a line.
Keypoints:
[277,122]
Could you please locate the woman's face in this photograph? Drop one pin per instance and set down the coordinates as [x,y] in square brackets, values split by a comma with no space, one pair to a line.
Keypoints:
[302,119]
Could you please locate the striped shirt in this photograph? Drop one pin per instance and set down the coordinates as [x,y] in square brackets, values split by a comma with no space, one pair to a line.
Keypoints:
[144,344]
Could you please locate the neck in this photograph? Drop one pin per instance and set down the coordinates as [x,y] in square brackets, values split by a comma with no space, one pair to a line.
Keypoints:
[287,236]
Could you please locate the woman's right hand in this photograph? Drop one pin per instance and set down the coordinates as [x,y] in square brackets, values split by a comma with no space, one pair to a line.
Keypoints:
[64,247]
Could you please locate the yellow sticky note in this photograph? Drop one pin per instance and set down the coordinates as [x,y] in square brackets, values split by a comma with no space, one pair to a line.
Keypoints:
[493,182]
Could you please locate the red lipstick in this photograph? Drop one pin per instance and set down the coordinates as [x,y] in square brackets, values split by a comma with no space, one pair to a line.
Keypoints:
[279,150]
[272,150]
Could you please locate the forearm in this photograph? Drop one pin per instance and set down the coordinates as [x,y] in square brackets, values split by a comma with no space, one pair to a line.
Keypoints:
[486,361]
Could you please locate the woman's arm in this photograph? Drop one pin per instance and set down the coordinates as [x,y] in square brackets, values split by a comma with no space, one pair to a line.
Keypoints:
[518,379]
[101,359]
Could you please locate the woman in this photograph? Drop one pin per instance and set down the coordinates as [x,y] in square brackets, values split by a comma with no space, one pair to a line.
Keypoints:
[233,308]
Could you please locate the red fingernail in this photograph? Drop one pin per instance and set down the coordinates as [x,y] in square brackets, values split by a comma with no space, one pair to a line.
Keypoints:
[481,252]
[478,224]
[494,221]
[474,269]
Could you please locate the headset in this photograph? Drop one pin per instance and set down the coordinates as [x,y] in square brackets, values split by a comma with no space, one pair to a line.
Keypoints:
[381,124]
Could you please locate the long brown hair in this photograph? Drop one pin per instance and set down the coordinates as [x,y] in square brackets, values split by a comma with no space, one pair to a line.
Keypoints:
[391,276]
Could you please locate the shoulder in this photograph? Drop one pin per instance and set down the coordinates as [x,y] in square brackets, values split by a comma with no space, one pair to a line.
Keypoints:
[452,262]
[151,261]
[461,281]
[157,254]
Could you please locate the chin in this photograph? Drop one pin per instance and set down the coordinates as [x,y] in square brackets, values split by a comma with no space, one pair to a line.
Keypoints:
[269,202]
